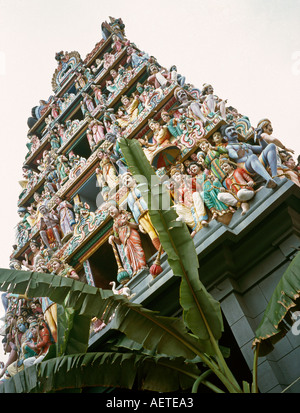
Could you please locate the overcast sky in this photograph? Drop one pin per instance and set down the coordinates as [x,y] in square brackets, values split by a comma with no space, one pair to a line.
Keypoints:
[249,50]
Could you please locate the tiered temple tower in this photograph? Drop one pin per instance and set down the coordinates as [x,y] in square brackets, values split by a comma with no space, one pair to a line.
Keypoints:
[230,182]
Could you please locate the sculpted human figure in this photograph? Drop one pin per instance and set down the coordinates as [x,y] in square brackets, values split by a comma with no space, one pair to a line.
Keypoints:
[176,77]
[212,156]
[245,155]
[238,186]
[62,168]
[41,343]
[66,216]
[159,77]
[290,169]
[99,96]
[212,101]
[139,208]
[160,138]
[63,269]
[106,171]
[88,102]
[50,230]
[184,202]
[195,170]
[98,130]
[23,227]
[125,233]
[117,44]
[131,106]
[108,60]
[218,141]
[189,105]
[172,124]
[135,58]
[36,256]
[265,131]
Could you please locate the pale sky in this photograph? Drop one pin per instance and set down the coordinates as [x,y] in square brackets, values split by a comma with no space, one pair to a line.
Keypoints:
[249,50]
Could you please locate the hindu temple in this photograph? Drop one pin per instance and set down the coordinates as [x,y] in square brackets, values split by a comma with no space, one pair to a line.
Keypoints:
[84,213]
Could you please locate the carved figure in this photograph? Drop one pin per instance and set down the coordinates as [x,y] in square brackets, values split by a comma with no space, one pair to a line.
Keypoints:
[245,155]
[184,202]
[63,269]
[139,208]
[50,230]
[66,217]
[212,102]
[125,233]
[189,105]
[36,256]
[106,172]
[159,77]
[239,187]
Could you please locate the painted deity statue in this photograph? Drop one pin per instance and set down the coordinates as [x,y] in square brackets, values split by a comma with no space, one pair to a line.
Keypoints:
[131,105]
[212,156]
[98,96]
[88,101]
[50,229]
[106,173]
[66,216]
[172,124]
[158,77]
[135,58]
[125,233]
[36,256]
[189,106]
[238,187]
[209,187]
[265,131]
[63,269]
[62,168]
[184,202]
[291,170]
[211,102]
[160,139]
[139,208]
[98,130]
[245,155]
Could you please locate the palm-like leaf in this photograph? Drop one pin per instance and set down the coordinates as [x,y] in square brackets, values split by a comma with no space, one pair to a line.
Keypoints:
[277,315]
[165,335]
[116,370]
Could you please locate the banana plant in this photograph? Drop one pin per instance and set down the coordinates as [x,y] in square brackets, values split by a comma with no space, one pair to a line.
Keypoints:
[170,346]
[278,316]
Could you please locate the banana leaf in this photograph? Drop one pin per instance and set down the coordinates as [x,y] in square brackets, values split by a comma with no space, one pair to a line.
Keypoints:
[73,331]
[201,313]
[165,335]
[117,370]
[277,318]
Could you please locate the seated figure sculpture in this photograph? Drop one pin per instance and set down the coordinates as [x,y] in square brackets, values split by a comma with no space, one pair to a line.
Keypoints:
[189,105]
[238,186]
[245,155]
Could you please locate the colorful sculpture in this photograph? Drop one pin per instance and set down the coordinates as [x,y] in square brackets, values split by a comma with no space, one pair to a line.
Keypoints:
[139,208]
[245,155]
[125,233]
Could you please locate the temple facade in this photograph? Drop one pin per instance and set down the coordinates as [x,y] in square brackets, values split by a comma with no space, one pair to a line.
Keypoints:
[83,214]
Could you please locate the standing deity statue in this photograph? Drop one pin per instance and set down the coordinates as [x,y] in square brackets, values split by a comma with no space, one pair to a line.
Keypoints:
[66,216]
[139,208]
[106,173]
[125,233]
